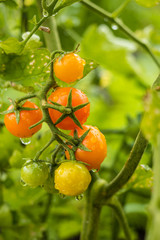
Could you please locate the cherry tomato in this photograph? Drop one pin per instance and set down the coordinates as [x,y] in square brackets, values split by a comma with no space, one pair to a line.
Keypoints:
[95,141]
[72,178]
[148,3]
[27,119]
[34,173]
[69,68]
[61,96]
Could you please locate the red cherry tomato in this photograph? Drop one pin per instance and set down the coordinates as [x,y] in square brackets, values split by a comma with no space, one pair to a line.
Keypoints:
[95,141]
[61,96]
[27,119]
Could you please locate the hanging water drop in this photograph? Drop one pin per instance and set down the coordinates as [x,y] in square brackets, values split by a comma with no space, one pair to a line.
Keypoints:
[45,13]
[114,27]
[25,141]
[62,195]
[23,183]
[79,197]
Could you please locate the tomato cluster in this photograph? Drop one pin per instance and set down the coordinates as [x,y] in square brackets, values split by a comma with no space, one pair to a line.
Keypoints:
[68,109]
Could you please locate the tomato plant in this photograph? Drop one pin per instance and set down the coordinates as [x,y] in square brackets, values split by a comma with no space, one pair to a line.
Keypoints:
[69,68]
[40,60]
[60,96]
[72,178]
[26,119]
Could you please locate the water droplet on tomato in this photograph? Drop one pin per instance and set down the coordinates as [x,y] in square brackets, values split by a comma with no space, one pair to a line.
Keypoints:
[79,197]
[25,141]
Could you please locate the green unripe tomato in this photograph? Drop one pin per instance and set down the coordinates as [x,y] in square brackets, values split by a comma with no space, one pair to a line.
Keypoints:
[72,178]
[34,174]
[16,159]
[5,216]
[148,3]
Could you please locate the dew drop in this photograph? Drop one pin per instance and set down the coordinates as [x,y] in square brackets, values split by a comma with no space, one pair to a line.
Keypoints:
[25,141]
[79,197]
[23,183]
[61,195]
[114,27]
[45,13]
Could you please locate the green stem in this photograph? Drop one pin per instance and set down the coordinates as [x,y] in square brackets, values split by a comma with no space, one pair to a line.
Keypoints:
[90,219]
[116,206]
[121,26]
[24,42]
[117,12]
[52,40]
[26,97]
[44,148]
[92,209]
[129,167]
[154,231]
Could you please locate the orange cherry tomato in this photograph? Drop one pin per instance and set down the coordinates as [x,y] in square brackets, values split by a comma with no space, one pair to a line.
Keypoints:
[27,119]
[95,141]
[69,68]
[61,96]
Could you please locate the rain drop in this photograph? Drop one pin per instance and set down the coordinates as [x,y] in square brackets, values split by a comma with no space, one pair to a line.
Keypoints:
[25,141]
[23,183]
[114,27]
[45,13]
[62,195]
[79,197]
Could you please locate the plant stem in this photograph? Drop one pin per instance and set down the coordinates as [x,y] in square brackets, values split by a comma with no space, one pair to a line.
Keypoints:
[44,148]
[120,8]
[90,219]
[92,209]
[116,206]
[18,100]
[154,221]
[129,167]
[121,26]
[34,30]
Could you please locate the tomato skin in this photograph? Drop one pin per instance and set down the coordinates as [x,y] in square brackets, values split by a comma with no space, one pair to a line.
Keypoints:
[27,119]
[95,141]
[72,178]
[61,96]
[69,68]
[34,174]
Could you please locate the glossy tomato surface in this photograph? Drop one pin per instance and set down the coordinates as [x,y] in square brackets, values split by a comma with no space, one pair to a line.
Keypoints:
[95,141]
[72,178]
[69,68]
[27,119]
[78,97]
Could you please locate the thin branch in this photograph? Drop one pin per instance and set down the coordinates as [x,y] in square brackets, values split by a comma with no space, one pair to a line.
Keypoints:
[103,13]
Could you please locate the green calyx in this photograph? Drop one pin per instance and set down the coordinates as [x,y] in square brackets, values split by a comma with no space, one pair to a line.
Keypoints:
[78,141]
[67,111]
[17,107]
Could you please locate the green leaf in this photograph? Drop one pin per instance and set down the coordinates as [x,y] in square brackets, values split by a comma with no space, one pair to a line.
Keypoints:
[10,3]
[12,45]
[106,49]
[65,3]
[28,69]
[141,181]
[89,66]
[150,122]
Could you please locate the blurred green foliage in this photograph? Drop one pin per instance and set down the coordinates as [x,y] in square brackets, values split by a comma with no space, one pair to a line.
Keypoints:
[115,90]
